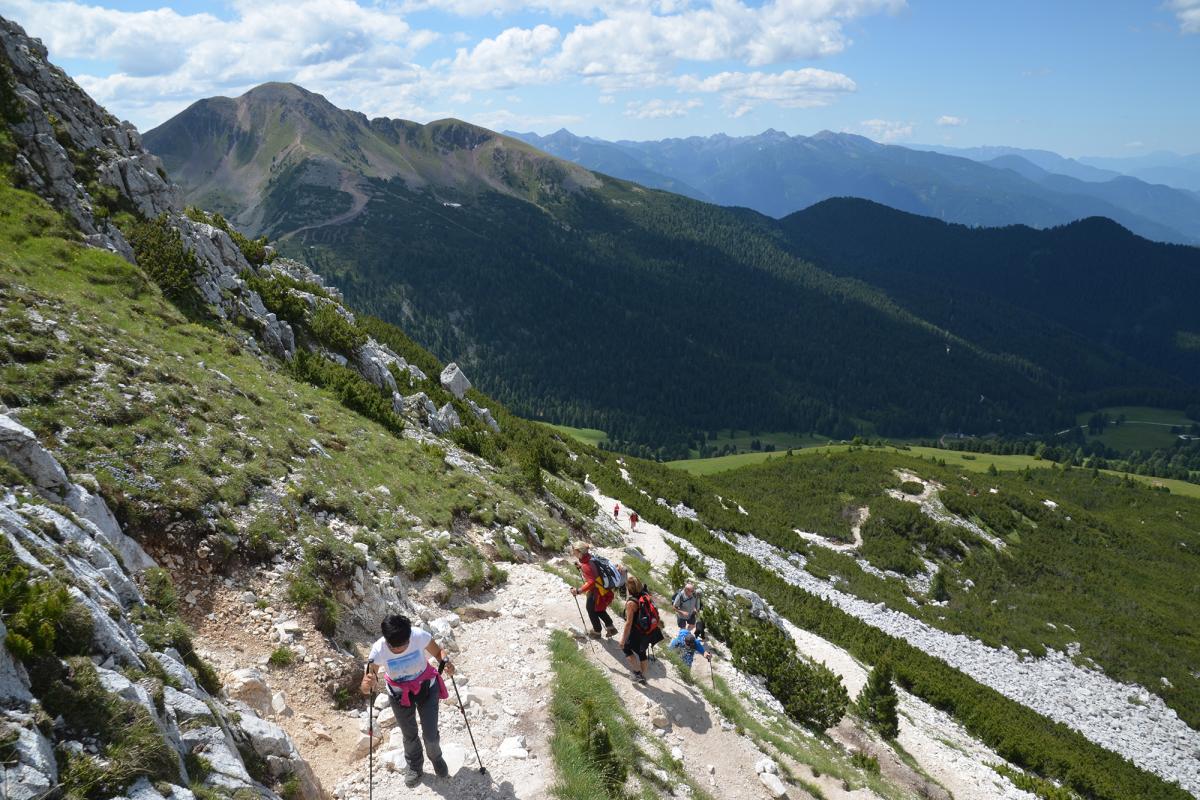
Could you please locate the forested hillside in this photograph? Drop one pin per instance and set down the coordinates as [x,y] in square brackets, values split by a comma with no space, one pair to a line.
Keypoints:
[1089,299]
[586,300]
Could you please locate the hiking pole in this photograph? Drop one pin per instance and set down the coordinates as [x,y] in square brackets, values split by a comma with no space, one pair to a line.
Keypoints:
[463,711]
[370,734]
[581,621]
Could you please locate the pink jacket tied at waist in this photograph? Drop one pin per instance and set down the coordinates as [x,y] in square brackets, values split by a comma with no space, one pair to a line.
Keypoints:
[403,689]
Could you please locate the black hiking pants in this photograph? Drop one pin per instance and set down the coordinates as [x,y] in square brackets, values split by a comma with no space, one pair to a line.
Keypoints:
[597,617]
[425,704]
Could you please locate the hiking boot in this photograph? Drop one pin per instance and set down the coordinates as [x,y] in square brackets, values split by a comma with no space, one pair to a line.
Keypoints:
[593,634]
[440,769]
[411,777]
[610,631]
[639,677]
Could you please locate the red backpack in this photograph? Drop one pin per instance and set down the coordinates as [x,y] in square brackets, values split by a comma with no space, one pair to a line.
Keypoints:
[645,619]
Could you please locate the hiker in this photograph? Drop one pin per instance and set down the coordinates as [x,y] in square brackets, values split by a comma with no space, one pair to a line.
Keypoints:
[633,520]
[617,511]
[643,627]
[598,595]
[688,644]
[414,687]
[687,606]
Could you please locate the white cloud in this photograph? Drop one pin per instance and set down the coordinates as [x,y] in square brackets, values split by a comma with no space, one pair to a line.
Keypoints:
[165,59]
[365,54]
[948,121]
[635,42]
[660,109]
[882,130]
[1188,14]
[503,119]
[513,58]
[1135,145]
[742,91]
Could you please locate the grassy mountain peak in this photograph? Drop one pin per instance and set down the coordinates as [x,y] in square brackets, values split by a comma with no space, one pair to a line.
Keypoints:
[231,154]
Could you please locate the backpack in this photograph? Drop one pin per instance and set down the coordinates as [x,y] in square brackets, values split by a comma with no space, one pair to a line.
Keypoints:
[645,619]
[607,573]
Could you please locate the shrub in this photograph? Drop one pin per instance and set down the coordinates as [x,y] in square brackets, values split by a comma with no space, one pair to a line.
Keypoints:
[263,536]
[425,561]
[812,694]
[937,586]
[912,487]
[160,252]
[282,657]
[334,331]
[39,613]
[865,762]
[351,389]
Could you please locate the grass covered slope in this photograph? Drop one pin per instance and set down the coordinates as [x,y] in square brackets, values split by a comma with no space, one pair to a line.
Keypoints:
[206,447]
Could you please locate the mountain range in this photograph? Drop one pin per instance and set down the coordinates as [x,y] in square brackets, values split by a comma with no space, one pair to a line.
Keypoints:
[777,174]
[593,301]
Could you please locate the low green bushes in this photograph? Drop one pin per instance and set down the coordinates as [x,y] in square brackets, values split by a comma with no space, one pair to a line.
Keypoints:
[812,694]
[1018,734]
[160,252]
[41,617]
[351,389]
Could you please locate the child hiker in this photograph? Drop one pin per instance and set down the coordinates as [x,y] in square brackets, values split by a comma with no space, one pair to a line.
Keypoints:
[642,627]
[598,597]
[414,687]
[688,645]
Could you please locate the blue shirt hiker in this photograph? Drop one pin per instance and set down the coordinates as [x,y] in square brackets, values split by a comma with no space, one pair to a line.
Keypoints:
[688,645]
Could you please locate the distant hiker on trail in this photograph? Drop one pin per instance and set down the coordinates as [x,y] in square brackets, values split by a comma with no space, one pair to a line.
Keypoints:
[687,606]
[616,511]
[414,687]
[642,627]
[633,520]
[600,579]
[688,644]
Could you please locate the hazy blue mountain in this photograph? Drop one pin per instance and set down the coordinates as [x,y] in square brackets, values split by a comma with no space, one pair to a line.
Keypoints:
[1172,169]
[608,158]
[1176,208]
[1045,159]
[777,174]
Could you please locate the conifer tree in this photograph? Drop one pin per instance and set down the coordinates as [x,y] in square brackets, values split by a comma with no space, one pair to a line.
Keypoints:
[877,702]
[937,586]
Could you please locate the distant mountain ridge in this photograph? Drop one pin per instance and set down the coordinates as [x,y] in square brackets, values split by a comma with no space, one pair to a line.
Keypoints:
[777,174]
[595,302]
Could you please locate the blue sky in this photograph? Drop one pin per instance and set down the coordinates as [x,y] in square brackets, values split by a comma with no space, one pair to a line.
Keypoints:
[1108,77]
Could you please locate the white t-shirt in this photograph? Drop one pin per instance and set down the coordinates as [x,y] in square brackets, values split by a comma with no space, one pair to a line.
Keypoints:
[406,666]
